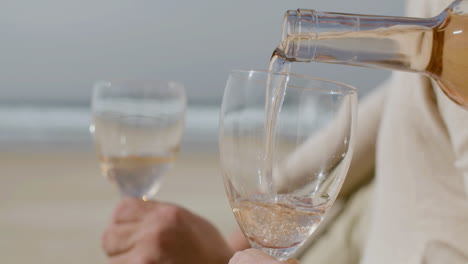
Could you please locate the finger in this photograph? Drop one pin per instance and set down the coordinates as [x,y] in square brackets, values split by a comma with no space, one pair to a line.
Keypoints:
[119,238]
[237,258]
[131,210]
[291,261]
[252,256]
[257,254]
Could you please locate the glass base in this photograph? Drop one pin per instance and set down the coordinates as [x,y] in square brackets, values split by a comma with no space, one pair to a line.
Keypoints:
[278,253]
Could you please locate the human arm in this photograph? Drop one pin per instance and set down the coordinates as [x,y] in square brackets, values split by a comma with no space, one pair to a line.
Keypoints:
[309,157]
[455,119]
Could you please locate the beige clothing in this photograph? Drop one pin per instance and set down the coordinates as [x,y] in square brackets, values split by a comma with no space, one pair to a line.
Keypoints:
[343,243]
[419,194]
[422,155]
[419,198]
[344,237]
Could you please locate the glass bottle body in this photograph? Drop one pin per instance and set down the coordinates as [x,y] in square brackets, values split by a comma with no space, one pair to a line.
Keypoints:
[437,46]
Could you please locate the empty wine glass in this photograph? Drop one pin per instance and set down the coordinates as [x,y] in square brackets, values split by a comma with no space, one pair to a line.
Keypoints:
[137,127]
[283,171]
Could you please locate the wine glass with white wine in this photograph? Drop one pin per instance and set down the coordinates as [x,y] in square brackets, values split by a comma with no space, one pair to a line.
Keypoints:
[285,142]
[137,127]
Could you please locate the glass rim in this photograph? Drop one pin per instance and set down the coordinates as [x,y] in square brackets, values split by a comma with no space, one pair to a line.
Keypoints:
[348,88]
[112,83]
[145,88]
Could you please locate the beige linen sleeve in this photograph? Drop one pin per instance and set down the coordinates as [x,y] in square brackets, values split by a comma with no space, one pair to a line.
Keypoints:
[363,162]
[341,239]
[456,121]
[313,156]
[343,242]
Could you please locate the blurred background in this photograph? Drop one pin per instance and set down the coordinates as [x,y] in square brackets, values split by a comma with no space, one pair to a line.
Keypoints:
[54,203]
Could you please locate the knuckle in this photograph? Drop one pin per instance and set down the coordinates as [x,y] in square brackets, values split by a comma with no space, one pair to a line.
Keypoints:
[157,237]
[171,214]
[165,217]
[162,237]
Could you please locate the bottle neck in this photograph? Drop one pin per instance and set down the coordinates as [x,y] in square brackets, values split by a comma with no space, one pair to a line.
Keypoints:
[396,43]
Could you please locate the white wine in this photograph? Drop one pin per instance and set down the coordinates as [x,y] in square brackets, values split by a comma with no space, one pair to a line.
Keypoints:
[277,224]
[274,97]
[280,222]
[449,63]
[136,151]
[407,46]
[137,175]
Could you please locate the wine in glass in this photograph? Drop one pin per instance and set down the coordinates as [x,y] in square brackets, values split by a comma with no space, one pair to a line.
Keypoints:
[285,144]
[137,127]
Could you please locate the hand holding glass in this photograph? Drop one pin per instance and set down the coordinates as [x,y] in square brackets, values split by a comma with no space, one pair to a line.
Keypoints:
[282,175]
[137,126]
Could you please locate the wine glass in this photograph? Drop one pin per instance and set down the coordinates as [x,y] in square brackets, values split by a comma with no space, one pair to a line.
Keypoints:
[137,127]
[284,154]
